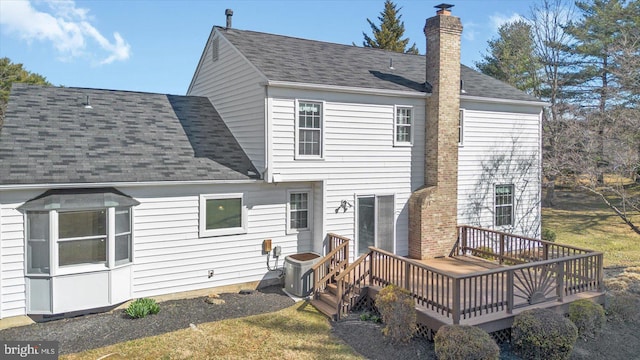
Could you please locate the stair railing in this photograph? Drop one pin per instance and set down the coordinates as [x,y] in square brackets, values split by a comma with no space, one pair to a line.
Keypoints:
[350,281]
[331,264]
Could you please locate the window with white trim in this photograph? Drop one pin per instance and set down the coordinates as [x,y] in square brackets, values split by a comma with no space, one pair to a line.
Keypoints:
[309,130]
[461,127]
[403,135]
[222,214]
[503,205]
[299,210]
[80,240]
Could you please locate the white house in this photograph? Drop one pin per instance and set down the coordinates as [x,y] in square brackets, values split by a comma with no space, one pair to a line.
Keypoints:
[110,195]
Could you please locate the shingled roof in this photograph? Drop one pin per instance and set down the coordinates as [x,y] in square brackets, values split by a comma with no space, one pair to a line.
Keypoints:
[290,59]
[50,137]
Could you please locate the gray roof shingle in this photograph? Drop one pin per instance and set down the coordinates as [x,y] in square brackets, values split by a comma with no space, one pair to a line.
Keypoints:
[284,58]
[50,137]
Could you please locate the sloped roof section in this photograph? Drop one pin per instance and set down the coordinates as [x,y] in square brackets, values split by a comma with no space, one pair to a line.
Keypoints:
[51,136]
[289,59]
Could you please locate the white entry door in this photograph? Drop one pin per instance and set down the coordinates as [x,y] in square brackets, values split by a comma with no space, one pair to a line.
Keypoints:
[375,222]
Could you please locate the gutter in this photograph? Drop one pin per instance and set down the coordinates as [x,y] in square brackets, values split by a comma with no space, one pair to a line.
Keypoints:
[502,101]
[125,184]
[346,89]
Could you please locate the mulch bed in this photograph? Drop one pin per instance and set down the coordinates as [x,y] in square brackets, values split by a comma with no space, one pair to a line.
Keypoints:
[98,330]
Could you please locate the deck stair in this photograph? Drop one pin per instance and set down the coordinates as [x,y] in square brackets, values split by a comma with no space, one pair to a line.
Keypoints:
[327,301]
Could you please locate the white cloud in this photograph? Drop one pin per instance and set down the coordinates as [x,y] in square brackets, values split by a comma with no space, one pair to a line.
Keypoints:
[499,19]
[66,27]
[469,30]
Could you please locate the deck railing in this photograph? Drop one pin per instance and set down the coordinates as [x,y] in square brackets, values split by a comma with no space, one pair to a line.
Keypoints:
[331,264]
[508,248]
[470,295]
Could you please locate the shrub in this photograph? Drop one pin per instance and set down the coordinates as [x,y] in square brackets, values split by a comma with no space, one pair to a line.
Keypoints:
[142,307]
[622,306]
[548,235]
[543,334]
[367,316]
[398,313]
[587,316]
[454,342]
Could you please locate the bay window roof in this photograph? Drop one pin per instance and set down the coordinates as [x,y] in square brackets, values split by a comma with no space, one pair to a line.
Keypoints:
[78,199]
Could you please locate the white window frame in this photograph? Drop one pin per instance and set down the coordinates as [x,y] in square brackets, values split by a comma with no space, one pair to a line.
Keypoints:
[496,206]
[461,115]
[309,209]
[396,125]
[242,229]
[299,156]
[54,261]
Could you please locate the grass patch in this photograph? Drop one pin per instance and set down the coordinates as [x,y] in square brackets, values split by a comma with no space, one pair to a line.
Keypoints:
[582,220]
[298,332]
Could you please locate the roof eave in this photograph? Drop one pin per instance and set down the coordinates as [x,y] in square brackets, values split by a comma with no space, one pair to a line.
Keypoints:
[346,89]
[481,99]
[124,184]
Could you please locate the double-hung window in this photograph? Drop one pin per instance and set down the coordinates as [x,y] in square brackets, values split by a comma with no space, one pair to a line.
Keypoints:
[82,237]
[299,210]
[403,136]
[222,214]
[503,205]
[309,130]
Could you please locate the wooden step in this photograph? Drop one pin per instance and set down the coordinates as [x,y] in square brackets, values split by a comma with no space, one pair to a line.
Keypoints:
[332,288]
[325,308]
[329,298]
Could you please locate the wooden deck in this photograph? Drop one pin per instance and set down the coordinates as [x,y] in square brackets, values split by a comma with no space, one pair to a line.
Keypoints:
[518,274]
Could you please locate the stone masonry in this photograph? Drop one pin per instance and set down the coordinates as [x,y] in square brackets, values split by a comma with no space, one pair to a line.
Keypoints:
[433,208]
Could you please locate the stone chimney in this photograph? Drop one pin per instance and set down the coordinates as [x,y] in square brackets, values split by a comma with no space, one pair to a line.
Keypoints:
[229,14]
[433,208]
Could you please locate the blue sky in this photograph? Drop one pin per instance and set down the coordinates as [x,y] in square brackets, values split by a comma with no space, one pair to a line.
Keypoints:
[154,46]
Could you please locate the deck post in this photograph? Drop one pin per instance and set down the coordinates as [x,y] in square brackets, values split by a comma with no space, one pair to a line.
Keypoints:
[340,286]
[501,248]
[456,301]
[600,273]
[545,251]
[560,281]
[509,291]
[464,240]
[407,278]
[371,267]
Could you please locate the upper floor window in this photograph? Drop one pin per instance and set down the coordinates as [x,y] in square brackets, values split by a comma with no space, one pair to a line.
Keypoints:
[402,129]
[222,214]
[298,210]
[461,127]
[309,129]
[503,205]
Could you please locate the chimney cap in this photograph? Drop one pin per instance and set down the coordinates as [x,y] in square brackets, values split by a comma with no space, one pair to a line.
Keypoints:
[444,9]
[228,12]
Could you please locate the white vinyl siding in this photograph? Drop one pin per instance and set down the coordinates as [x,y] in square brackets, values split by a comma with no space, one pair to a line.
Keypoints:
[501,146]
[359,155]
[235,90]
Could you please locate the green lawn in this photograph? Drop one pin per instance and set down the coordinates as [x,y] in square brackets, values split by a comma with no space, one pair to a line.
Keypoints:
[582,220]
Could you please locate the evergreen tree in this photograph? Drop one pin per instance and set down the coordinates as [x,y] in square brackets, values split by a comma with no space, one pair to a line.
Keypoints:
[389,34]
[10,73]
[512,58]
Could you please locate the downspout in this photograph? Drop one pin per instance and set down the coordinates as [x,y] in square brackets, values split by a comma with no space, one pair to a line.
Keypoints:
[267,175]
